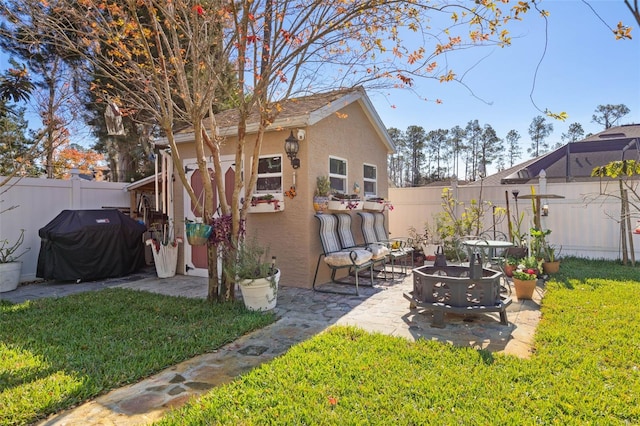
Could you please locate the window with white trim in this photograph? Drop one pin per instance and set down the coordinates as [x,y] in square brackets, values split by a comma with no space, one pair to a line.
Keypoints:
[338,174]
[269,175]
[370,179]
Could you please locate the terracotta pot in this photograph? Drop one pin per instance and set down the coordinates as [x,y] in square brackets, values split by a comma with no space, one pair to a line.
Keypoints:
[551,267]
[508,270]
[524,288]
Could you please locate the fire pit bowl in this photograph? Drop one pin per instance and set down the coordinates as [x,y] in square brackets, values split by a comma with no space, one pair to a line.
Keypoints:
[453,289]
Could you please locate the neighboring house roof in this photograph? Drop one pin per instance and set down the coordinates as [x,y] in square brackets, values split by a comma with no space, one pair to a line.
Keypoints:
[576,160]
[301,112]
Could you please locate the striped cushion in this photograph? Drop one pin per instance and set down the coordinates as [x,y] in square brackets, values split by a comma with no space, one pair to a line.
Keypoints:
[344,230]
[368,232]
[378,226]
[328,234]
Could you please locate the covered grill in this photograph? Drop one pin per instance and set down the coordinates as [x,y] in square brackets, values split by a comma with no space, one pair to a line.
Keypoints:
[90,244]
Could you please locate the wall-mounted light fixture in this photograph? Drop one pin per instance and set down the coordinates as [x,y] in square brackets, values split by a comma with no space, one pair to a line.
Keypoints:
[291,147]
[515,193]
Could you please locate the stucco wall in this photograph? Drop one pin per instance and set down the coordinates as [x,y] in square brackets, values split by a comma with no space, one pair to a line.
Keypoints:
[292,235]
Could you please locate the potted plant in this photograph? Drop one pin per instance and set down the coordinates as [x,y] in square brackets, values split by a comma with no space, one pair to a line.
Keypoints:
[551,263]
[321,194]
[258,278]
[267,203]
[10,267]
[510,265]
[518,238]
[524,281]
[377,204]
[197,232]
[341,201]
[164,246]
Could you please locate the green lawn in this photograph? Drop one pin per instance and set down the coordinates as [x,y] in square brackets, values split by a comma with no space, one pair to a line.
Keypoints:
[585,370]
[56,353]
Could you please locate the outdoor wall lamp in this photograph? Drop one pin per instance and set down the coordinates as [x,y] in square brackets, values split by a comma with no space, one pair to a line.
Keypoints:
[291,147]
[515,193]
[545,210]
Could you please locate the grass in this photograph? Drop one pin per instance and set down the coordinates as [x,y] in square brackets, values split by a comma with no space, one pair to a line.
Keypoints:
[56,353]
[585,370]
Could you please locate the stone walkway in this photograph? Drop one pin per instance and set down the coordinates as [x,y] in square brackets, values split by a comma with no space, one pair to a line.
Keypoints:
[301,314]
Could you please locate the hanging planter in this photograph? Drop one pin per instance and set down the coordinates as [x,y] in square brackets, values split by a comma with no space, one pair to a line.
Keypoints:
[198,233]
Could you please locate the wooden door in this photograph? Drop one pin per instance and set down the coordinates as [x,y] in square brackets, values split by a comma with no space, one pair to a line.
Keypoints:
[195,257]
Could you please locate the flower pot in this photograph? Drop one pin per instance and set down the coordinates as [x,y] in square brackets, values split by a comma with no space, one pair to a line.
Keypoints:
[272,205]
[375,206]
[508,270]
[165,257]
[524,288]
[346,204]
[551,267]
[516,252]
[260,294]
[320,204]
[198,233]
[9,276]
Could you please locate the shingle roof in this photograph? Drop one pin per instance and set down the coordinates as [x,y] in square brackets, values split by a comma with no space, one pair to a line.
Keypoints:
[300,112]
[290,108]
[595,150]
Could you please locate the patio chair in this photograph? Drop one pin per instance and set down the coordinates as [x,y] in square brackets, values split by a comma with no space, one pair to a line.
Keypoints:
[336,258]
[379,251]
[373,232]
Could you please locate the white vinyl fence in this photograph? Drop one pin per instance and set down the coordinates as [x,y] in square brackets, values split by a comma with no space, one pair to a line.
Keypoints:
[583,223]
[38,201]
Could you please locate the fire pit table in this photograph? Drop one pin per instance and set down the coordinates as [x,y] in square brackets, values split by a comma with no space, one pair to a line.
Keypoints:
[457,289]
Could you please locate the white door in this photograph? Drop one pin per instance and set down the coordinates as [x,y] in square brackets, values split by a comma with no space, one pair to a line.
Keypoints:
[195,257]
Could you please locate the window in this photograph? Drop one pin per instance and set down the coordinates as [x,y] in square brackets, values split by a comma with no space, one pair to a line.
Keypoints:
[370,173]
[338,174]
[269,174]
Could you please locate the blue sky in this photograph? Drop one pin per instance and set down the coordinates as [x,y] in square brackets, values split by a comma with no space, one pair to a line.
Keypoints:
[584,67]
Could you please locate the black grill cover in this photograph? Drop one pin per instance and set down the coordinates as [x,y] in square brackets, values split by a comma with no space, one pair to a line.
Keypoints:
[89,245]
